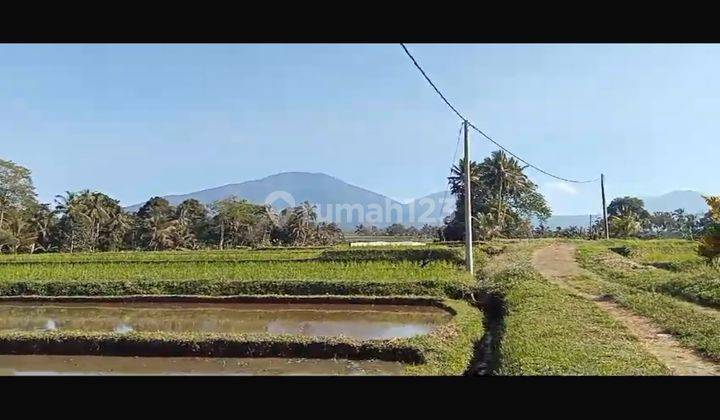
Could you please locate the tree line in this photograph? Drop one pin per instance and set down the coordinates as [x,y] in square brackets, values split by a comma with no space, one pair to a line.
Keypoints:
[398,229]
[504,202]
[628,218]
[92,221]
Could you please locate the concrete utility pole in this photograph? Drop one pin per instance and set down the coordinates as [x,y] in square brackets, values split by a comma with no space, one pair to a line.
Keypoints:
[468,211]
[602,188]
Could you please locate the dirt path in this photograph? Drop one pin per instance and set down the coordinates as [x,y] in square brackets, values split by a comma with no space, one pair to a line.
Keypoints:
[557,263]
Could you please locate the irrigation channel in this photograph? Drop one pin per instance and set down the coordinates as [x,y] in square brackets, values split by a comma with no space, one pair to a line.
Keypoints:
[375,319]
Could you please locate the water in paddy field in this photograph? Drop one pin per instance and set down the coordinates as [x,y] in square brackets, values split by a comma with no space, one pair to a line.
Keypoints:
[111,365]
[361,321]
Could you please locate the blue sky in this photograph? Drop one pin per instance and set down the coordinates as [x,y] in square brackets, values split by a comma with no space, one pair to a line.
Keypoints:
[140,120]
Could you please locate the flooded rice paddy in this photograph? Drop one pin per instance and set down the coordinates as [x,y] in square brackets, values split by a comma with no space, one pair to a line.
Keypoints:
[361,321]
[34,365]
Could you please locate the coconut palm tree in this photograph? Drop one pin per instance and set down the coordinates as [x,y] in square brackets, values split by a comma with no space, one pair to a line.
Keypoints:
[625,225]
[500,187]
[504,177]
[66,206]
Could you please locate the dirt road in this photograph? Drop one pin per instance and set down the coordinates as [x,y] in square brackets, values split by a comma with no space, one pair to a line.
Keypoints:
[557,263]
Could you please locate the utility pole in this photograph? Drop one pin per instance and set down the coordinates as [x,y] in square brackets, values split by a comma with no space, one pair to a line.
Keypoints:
[468,211]
[602,188]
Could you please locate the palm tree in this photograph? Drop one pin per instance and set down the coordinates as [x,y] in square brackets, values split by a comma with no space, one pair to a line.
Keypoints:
[65,205]
[496,182]
[163,233]
[301,221]
[95,212]
[457,177]
[505,177]
[625,225]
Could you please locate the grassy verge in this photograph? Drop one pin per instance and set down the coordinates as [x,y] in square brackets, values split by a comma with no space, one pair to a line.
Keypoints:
[699,284]
[547,331]
[673,254]
[694,326]
[447,350]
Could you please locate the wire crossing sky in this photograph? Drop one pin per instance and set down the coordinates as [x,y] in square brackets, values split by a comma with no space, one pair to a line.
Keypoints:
[485,135]
[138,120]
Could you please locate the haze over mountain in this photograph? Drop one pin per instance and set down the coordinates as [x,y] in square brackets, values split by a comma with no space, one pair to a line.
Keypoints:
[346,204]
[349,205]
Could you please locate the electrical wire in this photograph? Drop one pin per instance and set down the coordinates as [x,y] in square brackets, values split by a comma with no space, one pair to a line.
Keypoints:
[471,125]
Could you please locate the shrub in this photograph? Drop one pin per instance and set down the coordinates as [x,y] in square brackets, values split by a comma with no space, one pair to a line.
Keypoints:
[710,242]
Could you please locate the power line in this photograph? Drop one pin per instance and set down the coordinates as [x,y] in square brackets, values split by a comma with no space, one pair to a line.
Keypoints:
[450,105]
[452,164]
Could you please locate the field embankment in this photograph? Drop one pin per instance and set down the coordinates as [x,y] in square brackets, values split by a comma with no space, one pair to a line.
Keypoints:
[649,292]
[546,330]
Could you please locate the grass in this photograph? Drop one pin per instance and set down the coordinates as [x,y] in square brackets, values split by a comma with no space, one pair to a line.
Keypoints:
[447,350]
[248,270]
[690,278]
[657,294]
[693,327]
[432,271]
[269,254]
[547,331]
[410,254]
[673,254]
[437,278]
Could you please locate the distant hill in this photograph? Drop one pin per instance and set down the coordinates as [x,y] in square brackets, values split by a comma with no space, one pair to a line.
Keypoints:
[349,205]
[691,201]
[346,204]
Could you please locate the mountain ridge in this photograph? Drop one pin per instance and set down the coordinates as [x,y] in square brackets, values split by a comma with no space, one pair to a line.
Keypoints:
[349,205]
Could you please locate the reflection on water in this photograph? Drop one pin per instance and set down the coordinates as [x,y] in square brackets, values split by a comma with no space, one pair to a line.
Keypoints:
[106,365]
[50,325]
[361,321]
[123,328]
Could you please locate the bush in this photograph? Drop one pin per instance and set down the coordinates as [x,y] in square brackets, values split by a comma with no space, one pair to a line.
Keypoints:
[710,242]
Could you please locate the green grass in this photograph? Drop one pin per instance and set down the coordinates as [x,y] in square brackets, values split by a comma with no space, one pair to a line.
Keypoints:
[658,294]
[421,254]
[249,270]
[432,271]
[698,283]
[670,254]
[547,331]
[693,327]
[268,254]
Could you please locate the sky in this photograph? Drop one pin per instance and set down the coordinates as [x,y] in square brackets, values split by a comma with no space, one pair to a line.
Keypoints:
[140,120]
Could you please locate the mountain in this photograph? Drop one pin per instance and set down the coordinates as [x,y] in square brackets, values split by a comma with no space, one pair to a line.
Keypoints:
[336,200]
[691,201]
[429,209]
[349,205]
